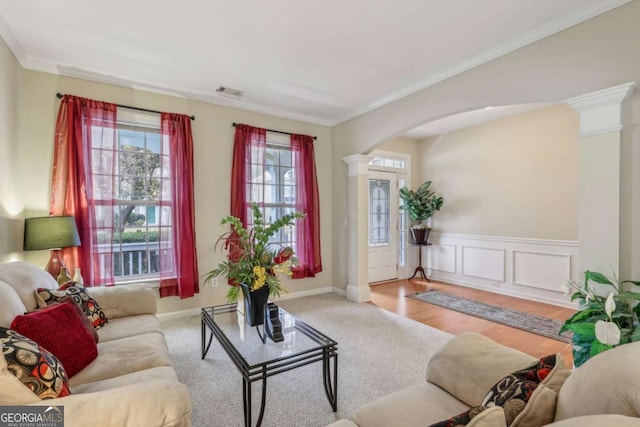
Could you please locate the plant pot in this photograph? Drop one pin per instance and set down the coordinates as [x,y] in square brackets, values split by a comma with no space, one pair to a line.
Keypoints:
[420,235]
[254,303]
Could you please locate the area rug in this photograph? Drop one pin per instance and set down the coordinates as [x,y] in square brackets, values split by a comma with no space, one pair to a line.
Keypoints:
[379,353]
[516,319]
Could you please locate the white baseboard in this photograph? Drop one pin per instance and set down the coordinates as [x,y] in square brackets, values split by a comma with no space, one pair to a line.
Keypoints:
[508,292]
[196,311]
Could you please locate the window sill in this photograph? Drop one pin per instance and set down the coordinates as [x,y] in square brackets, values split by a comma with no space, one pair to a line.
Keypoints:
[153,281]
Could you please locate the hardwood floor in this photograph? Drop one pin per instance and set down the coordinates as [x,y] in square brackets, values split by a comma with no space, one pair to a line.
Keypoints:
[391,296]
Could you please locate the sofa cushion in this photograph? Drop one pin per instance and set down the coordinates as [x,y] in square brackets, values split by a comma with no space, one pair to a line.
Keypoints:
[11,305]
[25,279]
[60,330]
[12,391]
[123,327]
[416,406]
[89,306]
[161,373]
[468,365]
[124,356]
[608,383]
[35,367]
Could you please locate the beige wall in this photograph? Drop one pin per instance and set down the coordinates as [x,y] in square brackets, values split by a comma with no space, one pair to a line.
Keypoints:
[11,215]
[514,177]
[213,139]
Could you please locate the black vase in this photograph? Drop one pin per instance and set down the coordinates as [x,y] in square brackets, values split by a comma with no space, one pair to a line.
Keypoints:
[254,303]
[420,235]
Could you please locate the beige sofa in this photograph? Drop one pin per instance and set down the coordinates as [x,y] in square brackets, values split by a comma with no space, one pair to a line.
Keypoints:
[132,382]
[603,392]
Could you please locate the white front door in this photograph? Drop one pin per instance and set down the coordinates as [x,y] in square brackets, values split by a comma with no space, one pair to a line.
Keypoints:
[383,226]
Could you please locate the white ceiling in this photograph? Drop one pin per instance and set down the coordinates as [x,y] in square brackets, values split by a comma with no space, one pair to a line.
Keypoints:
[322,62]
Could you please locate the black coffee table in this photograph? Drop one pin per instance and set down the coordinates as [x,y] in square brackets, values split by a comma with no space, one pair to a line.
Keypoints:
[257,361]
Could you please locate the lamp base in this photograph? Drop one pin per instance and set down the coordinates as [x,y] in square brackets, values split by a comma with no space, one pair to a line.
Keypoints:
[55,263]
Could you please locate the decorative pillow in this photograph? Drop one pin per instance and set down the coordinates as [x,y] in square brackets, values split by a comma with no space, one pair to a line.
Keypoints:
[519,392]
[35,367]
[59,329]
[527,396]
[85,320]
[89,306]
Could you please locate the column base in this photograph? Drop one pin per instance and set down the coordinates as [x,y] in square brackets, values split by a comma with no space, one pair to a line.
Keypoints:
[358,293]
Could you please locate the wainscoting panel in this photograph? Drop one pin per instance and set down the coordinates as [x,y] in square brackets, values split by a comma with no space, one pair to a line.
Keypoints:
[443,258]
[541,269]
[527,268]
[483,262]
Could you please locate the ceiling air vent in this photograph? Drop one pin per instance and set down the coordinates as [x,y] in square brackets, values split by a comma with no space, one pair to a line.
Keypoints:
[227,92]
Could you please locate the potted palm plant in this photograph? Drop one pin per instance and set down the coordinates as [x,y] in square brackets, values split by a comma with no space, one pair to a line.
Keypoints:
[253,263]
[420,204]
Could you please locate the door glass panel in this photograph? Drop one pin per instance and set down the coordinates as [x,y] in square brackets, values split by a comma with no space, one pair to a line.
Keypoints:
[379,209]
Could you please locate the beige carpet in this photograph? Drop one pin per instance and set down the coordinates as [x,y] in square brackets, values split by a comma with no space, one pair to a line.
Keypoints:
[379,353]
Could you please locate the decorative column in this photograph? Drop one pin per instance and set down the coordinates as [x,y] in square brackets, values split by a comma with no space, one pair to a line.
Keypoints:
[358,206]
[599,205]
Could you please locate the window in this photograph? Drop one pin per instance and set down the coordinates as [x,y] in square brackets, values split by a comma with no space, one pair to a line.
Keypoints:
[273,186]
[133,197]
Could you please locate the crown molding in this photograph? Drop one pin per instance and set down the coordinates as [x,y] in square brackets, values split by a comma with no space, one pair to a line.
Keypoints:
[358,164]
[601,98]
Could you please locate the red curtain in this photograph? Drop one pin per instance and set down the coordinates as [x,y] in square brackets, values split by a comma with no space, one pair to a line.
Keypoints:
[307,201]
[244,167]
[178,260]
[78,190]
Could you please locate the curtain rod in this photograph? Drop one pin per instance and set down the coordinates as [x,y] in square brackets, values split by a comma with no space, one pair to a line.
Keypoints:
[276,131]
[59,95]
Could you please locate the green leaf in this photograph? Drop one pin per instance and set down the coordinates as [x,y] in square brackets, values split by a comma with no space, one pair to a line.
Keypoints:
[597,277]
[597,347]
[627,295]
[584,314]
[583,329]
[635,336]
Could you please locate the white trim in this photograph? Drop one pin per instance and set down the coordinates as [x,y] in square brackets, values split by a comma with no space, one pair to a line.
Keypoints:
[612,95]
[339,291]
[567,257]
[196,311]
[601,131]
[358,164]
[358,293]
[536,288]
[455,258]
[570,243]
[503,291]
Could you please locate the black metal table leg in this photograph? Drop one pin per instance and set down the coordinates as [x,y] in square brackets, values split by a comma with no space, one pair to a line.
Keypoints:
[330,389]
[204,349]
[246,399]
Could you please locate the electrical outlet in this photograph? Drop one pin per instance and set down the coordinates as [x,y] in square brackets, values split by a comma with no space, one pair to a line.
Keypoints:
[495,284]
[214,282]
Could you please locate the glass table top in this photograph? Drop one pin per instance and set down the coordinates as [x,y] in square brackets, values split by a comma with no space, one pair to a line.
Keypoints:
[299,337]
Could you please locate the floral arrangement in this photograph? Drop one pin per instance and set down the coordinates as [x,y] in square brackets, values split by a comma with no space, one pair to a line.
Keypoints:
[603,322]
[252,261]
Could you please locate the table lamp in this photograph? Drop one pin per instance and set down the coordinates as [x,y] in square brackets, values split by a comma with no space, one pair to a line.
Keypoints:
[51,232]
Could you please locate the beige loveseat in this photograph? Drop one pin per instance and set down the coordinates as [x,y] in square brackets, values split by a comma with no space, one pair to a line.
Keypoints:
[604,392]
[132,382]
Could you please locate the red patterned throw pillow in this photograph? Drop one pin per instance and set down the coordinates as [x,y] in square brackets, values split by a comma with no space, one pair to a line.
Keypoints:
[35,367]
[89,306]
[60,330]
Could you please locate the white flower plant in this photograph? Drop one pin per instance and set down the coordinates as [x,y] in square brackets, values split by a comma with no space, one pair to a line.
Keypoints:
[603,322]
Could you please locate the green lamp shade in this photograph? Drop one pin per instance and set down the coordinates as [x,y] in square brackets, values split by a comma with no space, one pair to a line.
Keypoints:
[50,232]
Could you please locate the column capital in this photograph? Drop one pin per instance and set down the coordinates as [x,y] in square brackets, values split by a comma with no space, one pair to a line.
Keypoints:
[601,111]
[358,164]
